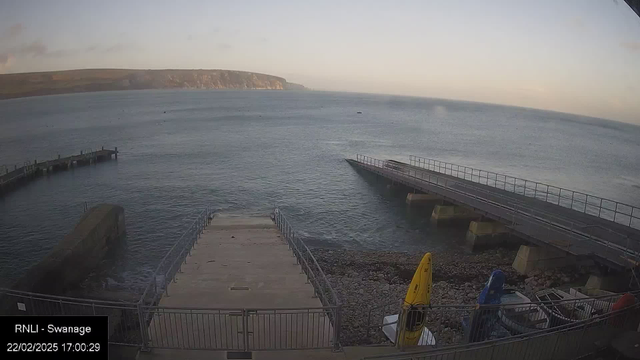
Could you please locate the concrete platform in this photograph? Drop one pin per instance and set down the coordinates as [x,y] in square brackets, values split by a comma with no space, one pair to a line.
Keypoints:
[241,266]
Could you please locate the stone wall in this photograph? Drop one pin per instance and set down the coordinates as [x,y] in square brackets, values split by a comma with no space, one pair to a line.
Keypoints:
[79,253]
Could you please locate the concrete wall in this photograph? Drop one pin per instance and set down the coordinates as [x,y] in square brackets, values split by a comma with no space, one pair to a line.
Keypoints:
[532,257]
[452,214]
[79,253]
[487,234]
[423,199]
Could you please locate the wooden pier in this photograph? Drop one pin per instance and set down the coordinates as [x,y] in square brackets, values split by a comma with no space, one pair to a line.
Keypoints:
[12,178]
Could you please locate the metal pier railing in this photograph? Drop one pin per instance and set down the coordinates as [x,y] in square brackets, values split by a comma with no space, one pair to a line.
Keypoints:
[539,225]
[612,210]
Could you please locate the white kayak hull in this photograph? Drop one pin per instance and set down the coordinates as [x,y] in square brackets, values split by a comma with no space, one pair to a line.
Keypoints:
[389,328]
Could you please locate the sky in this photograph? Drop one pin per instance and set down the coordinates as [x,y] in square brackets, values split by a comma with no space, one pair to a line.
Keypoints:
[576,56]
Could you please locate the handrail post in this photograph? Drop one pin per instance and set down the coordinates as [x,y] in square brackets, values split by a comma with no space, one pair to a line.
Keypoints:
[143,336]
[600,209]
[400,328]
[245,329]
[337,323]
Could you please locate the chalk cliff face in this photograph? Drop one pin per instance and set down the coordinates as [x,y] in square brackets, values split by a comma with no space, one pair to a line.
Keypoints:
[72,81]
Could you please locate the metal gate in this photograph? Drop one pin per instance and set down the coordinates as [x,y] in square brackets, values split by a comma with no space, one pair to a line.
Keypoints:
[240,329]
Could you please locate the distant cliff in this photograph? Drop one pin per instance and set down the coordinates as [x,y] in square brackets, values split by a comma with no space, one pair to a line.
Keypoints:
[73,81]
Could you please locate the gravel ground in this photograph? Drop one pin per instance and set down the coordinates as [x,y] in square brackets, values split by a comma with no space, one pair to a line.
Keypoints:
[371,284]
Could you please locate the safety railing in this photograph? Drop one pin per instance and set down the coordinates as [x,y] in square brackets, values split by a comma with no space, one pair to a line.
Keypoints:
[612,210]
[570,340]
[241,329]
[315,275]
[125,319]
[172,262]
[460,324]
[535,223]
[147,325]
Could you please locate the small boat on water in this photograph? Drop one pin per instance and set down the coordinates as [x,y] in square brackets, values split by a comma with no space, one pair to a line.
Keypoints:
[519,315]
[564,308]
[600,300]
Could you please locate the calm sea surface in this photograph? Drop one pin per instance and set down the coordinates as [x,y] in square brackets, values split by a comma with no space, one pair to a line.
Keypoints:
[248,151]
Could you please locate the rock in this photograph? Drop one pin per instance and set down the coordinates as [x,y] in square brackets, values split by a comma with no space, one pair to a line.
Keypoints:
[457,279]
[534,273]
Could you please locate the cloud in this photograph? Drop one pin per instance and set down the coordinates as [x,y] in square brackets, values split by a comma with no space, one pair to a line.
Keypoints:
[6,60]
[12,31]
[15,30]
[631,45]
[61,53]
[537,90]
[36,48]
[224,46]
[115,48]
[577,23]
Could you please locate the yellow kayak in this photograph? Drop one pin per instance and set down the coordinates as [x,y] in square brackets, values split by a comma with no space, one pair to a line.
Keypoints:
[419,294]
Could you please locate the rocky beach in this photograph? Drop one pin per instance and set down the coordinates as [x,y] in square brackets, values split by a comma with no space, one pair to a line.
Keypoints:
[371,285]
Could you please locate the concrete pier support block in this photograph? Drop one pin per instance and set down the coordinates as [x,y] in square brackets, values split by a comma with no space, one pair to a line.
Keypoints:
[530,258]
[614,283]
[423,199]
[486,234]
[451,213]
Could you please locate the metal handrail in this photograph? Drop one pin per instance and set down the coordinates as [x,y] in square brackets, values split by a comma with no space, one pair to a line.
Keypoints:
[538,190]
[314,272]
[568,227]
[290,235]
[452,350]
[173,259]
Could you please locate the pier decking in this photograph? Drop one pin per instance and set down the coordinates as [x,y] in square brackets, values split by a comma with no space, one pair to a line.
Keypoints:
[241,288]
[10,178]
[561,223]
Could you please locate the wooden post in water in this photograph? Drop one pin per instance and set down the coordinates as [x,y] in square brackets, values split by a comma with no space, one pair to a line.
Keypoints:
[116,153]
